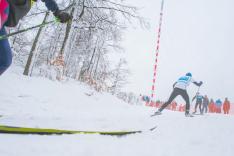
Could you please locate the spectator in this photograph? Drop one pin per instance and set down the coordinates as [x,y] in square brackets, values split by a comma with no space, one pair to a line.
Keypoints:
[226,106]
[205,104]
[146,98]
[211,106]
[218,105]
[173,106]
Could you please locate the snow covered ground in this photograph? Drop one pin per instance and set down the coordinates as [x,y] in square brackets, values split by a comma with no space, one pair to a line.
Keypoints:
[38,102]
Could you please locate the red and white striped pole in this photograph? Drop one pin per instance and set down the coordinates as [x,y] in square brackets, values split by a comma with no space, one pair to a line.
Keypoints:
[157,52]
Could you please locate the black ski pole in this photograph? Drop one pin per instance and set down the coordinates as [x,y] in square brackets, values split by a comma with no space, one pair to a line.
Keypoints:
[198,89]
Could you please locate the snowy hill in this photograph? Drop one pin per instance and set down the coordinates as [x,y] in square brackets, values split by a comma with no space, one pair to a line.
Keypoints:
[38,102]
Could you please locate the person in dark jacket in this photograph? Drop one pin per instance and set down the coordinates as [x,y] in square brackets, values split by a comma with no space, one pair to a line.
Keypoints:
[10,14]
[205,104]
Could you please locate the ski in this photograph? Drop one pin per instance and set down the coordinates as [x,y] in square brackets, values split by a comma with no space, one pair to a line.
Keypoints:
[42,131]
[186,115]
[156,114]
[153,115]
[197,114]
[189,115]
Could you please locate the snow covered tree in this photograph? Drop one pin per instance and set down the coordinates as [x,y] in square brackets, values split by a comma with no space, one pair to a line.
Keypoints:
[83,44]
[119,76]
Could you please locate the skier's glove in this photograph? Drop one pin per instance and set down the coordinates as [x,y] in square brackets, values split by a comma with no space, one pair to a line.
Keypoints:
[62,17]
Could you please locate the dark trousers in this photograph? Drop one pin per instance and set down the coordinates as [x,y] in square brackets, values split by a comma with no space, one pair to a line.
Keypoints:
[205,108]
[5,52]
[198,103]
[174,94]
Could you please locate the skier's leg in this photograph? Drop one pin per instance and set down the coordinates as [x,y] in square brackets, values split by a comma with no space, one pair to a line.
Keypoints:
[5,53]
[185,96]
[195,109]
[200,107]
[203,108]
[174,93]
[206,108]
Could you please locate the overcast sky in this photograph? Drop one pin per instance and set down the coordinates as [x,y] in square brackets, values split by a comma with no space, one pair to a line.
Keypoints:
[197,37]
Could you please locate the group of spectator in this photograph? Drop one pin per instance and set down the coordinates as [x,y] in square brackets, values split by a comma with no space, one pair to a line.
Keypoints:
[218,105]
[204,104]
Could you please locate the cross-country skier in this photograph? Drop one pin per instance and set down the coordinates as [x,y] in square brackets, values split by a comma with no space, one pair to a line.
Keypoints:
[199,99]
[11,11]
[179,88]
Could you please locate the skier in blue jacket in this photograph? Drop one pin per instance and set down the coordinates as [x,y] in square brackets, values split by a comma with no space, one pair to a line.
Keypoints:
[199,99]
[179,88]
[10,14]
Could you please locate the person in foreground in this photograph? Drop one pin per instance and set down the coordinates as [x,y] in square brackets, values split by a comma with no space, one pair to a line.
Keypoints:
[180,88]
[11,11]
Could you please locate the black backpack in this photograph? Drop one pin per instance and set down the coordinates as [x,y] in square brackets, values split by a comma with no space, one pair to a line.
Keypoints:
[18,9]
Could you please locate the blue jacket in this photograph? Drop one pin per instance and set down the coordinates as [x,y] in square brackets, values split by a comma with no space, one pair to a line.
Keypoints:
[218,103]
[198,97]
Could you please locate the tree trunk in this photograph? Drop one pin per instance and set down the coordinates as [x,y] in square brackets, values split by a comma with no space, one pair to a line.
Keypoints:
[32,51]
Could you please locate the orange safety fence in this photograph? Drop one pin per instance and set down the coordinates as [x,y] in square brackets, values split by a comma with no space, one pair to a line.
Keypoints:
[181,107]
[232,109]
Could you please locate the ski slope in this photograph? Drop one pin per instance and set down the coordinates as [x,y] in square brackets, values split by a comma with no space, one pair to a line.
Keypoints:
[38,102]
